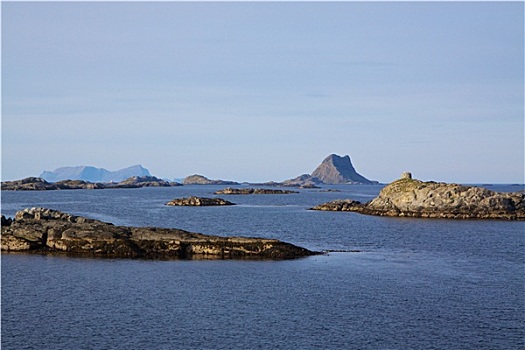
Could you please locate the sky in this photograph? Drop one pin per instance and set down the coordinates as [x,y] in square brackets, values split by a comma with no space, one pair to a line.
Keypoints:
[260,91]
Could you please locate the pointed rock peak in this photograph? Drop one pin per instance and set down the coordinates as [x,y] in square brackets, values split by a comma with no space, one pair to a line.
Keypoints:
[338,170]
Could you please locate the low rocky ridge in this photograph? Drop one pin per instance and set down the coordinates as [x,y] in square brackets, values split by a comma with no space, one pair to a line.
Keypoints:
[44,231]
[39,184]
[144,181]
[194,201]
[408,197]
[230,190]
[202,180]
[302,181]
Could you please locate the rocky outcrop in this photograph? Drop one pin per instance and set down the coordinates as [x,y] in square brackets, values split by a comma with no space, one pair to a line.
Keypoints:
[39,184]
[49,231]
[202,180]
[194,201]
[339,170]
[340,205]
[143,181]
[407,197]
[230,190]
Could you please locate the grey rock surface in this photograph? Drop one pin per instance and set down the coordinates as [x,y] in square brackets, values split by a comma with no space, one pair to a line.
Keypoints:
[48,231]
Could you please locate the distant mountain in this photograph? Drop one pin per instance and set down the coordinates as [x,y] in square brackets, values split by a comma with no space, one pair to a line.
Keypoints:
[339,170]
[92,174]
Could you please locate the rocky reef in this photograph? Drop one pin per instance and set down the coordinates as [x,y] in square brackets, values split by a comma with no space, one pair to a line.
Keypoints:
[39,184]
[229,190]
[194,201]
[48,231]
[408,197]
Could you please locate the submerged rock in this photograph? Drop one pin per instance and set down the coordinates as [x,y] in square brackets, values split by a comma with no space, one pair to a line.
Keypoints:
[199,201]
[408,197]
[50,231]
[230,190]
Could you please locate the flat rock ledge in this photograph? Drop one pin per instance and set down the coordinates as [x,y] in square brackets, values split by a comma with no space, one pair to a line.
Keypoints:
[407,197]
[193,201]
[229,190]
[48,231]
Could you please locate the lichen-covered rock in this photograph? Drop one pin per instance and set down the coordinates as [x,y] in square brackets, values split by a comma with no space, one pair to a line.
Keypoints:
[199,201]
[407,197]
[50,231]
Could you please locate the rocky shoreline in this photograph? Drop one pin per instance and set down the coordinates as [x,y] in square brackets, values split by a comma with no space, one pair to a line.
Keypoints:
[407,197]
[48,231]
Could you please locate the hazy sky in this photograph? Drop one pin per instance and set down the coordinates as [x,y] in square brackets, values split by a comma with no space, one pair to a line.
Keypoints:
[265,91]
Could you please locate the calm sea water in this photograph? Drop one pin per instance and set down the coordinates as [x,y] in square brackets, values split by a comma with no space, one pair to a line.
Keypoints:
[414,284]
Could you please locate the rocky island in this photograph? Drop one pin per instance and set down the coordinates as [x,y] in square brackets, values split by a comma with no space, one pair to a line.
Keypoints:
[339,170]
[39,184]
[194,201]
[333,170]
[202,180]
[229,190]
[48,231]
[408,197]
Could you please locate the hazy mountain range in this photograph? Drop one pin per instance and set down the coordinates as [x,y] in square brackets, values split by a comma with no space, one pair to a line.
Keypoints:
[92,174]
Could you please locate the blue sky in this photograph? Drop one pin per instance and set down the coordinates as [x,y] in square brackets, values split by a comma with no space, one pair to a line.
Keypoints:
[265,91]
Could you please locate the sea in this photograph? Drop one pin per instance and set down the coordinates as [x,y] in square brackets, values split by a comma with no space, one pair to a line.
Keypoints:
[382,283]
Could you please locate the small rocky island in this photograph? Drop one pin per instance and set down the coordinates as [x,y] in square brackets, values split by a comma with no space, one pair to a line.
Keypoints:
[203,180]
[229,190]
[194,201]
[48,231]
[408,197]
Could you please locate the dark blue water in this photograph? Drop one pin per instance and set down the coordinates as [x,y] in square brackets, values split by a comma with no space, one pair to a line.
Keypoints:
[415,284]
